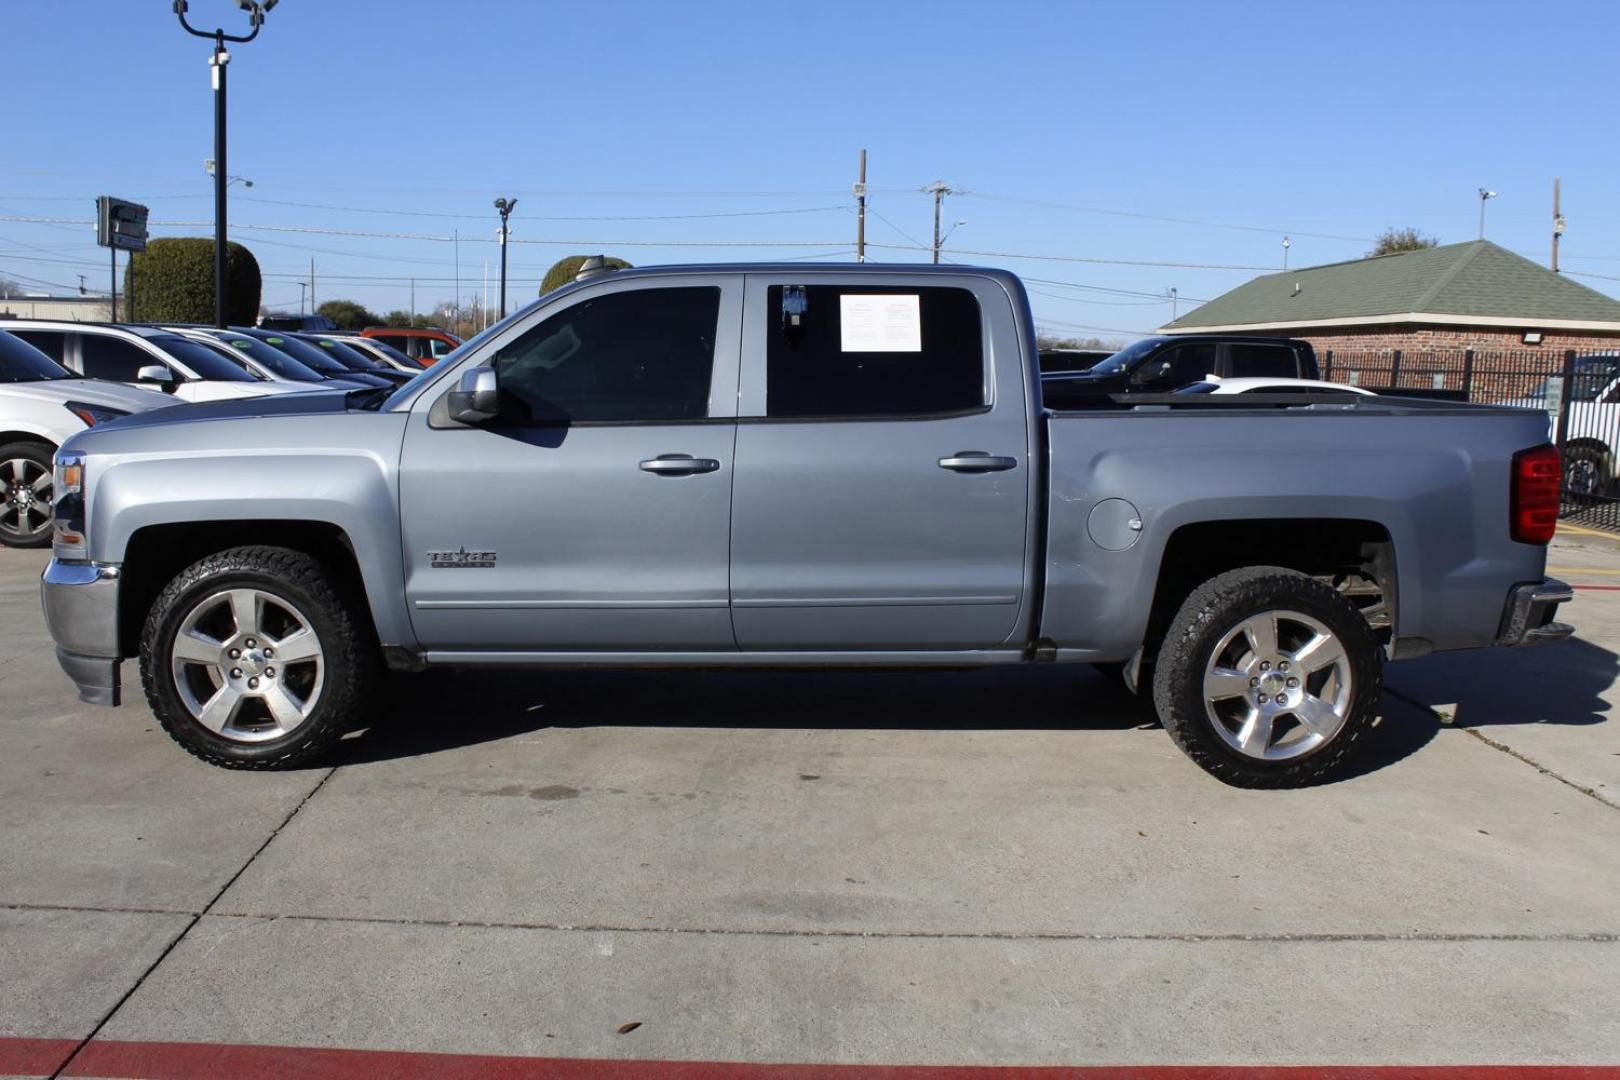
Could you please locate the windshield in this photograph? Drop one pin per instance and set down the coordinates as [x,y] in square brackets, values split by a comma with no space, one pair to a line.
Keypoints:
[455,354]
[1122,360]
[21,362]
[353,359]
[379,345]
[204,362]
[272,359]
[304,353]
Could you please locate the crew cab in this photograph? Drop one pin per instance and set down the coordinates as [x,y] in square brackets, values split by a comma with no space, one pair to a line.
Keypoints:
[802,467]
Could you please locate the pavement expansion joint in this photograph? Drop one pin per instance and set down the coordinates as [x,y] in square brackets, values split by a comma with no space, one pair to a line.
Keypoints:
[1599,937]
[1506,749]
[196,917]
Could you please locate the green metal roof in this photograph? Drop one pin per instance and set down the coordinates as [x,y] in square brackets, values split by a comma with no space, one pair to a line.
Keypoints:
[1476,280]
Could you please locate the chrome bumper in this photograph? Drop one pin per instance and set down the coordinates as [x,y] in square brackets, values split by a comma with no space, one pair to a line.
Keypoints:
[81,611]
[1528,617]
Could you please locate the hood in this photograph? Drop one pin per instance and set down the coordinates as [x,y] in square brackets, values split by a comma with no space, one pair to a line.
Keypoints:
[108,395]
[269,388]
[308,403]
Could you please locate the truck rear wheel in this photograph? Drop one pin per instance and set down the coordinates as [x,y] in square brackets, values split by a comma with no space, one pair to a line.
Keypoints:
[256,658]
[1267,678]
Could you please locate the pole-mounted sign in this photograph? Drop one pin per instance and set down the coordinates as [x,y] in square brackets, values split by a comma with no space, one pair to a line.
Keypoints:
[120,224]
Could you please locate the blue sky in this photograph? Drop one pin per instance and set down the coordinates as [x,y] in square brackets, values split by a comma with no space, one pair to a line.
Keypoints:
[1074,129]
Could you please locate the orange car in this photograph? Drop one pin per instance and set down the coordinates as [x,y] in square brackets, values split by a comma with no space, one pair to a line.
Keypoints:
[423,346]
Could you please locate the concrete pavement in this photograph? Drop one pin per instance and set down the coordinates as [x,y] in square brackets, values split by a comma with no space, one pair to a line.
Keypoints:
[984,868]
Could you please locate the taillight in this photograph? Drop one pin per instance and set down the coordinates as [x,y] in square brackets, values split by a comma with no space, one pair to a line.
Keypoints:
[1537,477]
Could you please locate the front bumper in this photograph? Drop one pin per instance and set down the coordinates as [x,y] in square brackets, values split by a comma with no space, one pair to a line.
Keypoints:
[1528,617]
[81,611]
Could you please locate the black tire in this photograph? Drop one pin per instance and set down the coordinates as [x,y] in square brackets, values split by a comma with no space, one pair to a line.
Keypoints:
[1213,611]
[1586,474]
[351,664]
[36,509]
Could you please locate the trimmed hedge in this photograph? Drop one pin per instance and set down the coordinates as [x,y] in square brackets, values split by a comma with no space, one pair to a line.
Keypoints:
[563,271]
[173,281]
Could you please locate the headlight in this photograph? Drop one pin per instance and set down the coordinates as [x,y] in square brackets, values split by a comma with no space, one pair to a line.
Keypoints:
[93,414]
[67,504]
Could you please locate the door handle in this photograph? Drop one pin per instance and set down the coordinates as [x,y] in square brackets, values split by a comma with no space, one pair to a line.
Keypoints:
[977,461]
[679,465]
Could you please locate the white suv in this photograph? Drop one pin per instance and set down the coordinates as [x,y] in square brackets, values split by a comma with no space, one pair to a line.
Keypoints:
[42,404]
[143,356]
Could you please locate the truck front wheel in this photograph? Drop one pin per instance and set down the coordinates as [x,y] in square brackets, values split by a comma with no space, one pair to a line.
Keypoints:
[1267,678]
[257,658]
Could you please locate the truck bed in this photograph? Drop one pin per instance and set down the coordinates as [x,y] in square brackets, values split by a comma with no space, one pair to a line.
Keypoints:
[1128,472]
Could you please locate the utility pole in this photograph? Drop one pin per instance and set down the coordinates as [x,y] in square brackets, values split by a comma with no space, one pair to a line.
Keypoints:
[413,301]
[1558,226]
[114,282]
[860,214]
[216,63]
[1172,293]
[455,235]
[504,207]
[938,189]
[301,286]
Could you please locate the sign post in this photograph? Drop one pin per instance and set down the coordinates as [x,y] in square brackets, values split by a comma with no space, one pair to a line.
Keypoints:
[120,224]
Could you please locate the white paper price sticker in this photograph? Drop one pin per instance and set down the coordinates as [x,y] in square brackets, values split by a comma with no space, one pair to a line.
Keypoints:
[891,323]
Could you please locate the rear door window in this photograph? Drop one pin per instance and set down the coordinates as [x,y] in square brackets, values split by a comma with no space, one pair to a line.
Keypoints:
[106,357]
[862,351]
[1263,362]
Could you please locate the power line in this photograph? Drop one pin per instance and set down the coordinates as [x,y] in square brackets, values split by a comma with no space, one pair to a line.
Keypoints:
[1160,217]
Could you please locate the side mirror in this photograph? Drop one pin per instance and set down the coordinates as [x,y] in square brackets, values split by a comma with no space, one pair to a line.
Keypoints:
[157,373]
[476,398]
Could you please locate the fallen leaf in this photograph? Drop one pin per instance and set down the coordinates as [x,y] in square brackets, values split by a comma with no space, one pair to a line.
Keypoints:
[625,1029]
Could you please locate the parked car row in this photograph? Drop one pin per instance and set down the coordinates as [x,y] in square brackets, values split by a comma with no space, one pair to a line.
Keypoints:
[57,378]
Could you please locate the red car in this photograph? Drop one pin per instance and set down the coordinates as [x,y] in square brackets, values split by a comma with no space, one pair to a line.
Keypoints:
[423,346]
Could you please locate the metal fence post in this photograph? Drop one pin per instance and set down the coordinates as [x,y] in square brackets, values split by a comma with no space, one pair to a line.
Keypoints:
[1468,374]
[1395,369]
[1328,371]
[1563,401]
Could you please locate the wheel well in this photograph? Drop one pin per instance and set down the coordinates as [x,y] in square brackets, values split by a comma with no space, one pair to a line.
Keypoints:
[1356,557]
[25,436]
[157,553]
[1589,443]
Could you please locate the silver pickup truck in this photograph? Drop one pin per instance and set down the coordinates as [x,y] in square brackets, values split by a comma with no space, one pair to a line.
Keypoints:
[793,466]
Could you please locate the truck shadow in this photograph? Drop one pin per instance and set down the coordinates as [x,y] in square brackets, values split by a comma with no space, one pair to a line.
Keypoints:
[1549,684]
[443,710]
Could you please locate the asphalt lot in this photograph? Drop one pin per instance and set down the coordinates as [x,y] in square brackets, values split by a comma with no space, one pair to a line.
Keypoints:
[1008,867]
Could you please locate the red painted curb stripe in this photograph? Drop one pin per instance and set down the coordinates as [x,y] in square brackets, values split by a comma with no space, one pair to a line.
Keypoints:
[214,1061]
[1598,588]
[34,1057]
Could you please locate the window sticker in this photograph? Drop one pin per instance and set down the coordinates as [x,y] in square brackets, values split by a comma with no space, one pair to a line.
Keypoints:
[885,323]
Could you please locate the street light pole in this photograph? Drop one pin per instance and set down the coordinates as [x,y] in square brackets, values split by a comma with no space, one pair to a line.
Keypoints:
[504,207]
[217,62]
[1484,193]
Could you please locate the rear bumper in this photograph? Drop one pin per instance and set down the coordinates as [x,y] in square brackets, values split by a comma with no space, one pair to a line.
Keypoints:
[1528,617]
[81,610]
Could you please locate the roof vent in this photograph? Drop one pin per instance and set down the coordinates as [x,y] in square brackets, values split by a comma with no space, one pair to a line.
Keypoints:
[1296,289]
[593,266]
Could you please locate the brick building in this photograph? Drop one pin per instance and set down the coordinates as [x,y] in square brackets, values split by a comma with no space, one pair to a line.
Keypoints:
[1442,300]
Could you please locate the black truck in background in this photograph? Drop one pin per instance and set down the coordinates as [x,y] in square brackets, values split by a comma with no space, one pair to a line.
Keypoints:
[1160,364]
